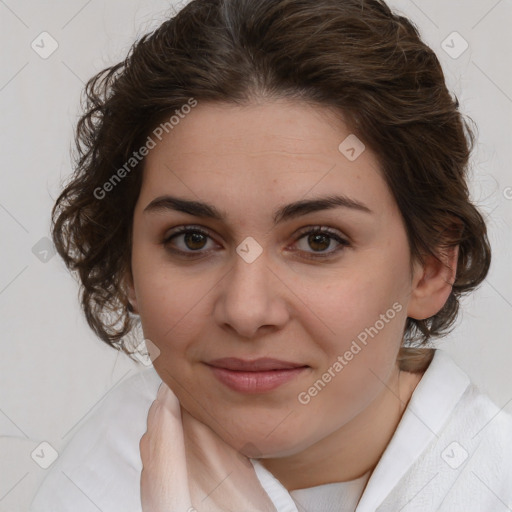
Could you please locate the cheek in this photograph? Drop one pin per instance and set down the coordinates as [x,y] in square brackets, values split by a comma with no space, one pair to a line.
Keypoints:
[171,308]
[361,301]
[359,357]
[170,302]
[366,314]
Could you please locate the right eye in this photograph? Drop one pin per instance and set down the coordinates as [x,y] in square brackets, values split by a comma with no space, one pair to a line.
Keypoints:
[187,241]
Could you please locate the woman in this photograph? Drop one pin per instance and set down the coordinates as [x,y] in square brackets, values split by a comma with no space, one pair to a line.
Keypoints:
[276,190]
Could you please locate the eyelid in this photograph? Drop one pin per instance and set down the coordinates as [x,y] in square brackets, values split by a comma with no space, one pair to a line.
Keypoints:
[184,229]
[320,228]
[178,230]
[304,230]
[335,234]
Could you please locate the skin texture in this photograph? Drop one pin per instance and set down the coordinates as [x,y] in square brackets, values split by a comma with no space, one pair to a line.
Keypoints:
[249,161]
[217,478]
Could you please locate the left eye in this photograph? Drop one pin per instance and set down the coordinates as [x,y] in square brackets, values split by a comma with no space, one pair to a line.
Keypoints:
[320,240]
[315,243]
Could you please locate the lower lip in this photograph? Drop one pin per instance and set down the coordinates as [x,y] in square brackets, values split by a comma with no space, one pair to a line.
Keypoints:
[255,382]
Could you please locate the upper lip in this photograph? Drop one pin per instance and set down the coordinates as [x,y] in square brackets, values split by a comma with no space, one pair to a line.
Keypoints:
[255,365]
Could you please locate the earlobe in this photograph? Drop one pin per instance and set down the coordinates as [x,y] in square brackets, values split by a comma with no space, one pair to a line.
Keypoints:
[432,283]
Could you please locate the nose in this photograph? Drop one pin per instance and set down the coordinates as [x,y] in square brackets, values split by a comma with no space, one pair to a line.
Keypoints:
[252,299]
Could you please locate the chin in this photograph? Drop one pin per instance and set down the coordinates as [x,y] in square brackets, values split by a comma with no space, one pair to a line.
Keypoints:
[259,445]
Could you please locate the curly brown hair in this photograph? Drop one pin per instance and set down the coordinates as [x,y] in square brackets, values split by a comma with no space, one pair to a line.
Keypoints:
[354,56]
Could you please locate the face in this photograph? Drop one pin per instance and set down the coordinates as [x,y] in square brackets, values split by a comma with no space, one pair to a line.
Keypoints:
[272,271]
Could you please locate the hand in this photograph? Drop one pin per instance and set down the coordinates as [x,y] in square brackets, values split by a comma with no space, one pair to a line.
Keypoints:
[188,468]
[164,481]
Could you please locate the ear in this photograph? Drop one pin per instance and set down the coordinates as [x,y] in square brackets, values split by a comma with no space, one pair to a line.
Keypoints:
[130,292]
[432,283]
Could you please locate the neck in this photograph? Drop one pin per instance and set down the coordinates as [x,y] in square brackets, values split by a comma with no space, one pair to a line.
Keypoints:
[355,448]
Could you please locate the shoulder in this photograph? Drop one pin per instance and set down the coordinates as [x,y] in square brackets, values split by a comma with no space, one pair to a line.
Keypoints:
[474,418]
[475,423]
[487,429]
[475,450]
[466,461]
[447,395]
[100,467]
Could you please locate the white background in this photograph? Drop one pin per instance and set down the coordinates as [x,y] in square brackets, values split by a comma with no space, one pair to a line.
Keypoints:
[53,371]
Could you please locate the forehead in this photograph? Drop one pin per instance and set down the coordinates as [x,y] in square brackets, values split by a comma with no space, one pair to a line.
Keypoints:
[256,155]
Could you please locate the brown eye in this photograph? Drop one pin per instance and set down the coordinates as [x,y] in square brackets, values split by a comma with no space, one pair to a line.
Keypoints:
[194,240]
[187,241]
[320,242]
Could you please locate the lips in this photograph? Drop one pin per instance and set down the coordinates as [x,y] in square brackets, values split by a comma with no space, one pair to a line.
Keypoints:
[256,376]
[257,365]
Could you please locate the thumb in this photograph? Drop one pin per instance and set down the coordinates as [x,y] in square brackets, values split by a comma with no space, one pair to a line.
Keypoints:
[164,480]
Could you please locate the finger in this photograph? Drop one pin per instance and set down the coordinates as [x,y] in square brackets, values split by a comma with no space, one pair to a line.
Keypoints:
[164,480]
[167,397]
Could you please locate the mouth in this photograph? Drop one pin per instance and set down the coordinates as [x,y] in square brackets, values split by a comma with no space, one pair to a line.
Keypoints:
[256,376]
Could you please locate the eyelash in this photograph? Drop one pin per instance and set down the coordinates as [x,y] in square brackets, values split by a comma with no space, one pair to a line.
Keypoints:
[309,230]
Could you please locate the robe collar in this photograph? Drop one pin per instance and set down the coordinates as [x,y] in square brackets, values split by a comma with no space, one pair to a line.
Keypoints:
[431,404]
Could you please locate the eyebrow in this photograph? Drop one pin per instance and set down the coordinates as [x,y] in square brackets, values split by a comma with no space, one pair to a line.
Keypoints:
[283,213]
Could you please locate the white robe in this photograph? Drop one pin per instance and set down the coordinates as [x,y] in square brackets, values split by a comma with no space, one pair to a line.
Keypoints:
[451,452]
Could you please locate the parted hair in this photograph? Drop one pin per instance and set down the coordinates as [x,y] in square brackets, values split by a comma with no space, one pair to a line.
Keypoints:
[356,57]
